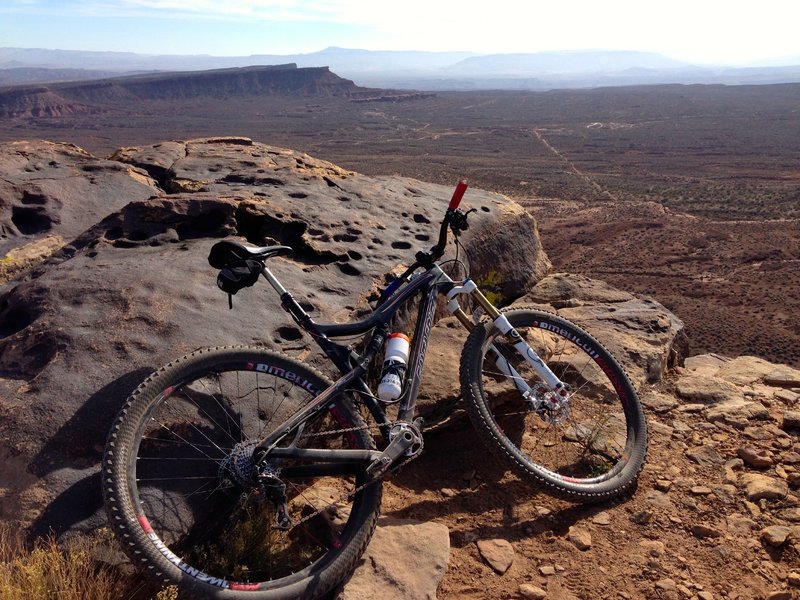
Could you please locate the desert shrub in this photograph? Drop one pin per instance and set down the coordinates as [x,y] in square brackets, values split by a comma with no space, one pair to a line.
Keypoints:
[45,570]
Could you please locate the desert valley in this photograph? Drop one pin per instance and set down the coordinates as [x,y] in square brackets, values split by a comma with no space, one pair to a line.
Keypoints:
[666,221]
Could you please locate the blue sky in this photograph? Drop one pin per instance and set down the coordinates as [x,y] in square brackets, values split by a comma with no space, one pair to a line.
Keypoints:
[702,31]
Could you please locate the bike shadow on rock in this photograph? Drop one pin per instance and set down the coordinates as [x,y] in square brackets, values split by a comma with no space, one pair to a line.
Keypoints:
[69,460]
[457,479]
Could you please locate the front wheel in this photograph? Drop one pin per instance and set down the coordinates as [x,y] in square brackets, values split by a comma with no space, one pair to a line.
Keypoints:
[588,446]
[183,496]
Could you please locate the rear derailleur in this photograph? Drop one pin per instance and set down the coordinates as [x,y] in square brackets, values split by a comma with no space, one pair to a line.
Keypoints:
[274,490]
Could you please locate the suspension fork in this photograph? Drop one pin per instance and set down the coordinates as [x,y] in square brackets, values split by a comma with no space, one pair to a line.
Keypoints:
[504,326]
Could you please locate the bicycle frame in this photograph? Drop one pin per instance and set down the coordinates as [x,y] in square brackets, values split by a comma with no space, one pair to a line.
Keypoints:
[430,284]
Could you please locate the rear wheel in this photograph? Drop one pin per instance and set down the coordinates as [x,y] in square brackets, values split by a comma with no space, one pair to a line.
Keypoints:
[588,446]
[180,488]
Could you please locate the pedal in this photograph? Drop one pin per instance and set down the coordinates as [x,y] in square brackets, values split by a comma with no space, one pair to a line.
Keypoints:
[406,440]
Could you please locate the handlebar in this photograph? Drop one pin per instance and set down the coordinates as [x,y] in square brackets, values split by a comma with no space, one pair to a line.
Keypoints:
[458,194]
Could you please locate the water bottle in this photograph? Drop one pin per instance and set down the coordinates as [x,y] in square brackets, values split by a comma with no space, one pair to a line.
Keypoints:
[394,367]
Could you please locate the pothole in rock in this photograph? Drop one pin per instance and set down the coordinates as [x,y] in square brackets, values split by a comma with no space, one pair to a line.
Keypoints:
[289,334]
[33,198]
[30,221]
[14,321]
[38,355]
[418,218]
[344,237]
[349,269]
[401,245]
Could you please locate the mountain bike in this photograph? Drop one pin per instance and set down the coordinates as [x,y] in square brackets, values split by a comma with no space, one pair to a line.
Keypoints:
[239,472]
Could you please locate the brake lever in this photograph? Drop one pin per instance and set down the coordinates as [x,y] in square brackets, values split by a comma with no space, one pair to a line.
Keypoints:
[458,221]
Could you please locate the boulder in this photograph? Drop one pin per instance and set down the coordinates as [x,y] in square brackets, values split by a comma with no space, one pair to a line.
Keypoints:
[134,290]
[405,560]
[644,336]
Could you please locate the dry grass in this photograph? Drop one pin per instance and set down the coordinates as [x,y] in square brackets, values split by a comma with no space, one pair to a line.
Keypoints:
[49,571]
[45,570]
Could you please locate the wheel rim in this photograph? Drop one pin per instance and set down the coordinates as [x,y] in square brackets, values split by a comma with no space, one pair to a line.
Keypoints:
[584,439]
[189,482]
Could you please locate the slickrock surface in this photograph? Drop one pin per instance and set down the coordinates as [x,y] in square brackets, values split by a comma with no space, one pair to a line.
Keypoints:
[97,305]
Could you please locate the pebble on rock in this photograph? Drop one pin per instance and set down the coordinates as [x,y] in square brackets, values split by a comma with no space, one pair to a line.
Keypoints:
[498,553]
[532,592]
[758,487]
[775,535]
[580,538]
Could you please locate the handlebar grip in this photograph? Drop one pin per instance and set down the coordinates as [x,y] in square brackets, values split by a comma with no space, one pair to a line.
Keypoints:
[458,194]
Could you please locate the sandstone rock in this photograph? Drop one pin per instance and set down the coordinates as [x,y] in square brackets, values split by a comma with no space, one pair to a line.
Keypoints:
[134,290]
[739,524]
[579,537]
[791,514]
[643,335]
[791,458]
[58,190]
[753,457]
[775,535]
[668,585]
[707,390]
[761,486]
[780,595]
[704,364]
[531,592]
[654,548]
[744,370]
[791,420]
[737,412]
[788,397]
[725,493]
[701,530]
[658,402]
[783,376]
[705,455]
[498,553]
[440,389]
[793,579]
[384,568]
[547,570]
[658,500]
[602,518]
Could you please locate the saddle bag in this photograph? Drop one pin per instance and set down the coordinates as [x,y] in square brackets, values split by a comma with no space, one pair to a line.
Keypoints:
[238,274]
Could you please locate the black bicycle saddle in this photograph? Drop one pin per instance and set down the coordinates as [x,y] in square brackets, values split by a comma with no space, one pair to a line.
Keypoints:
[226,251]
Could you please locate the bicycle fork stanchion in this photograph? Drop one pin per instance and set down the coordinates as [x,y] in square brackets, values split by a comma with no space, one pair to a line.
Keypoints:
[505,327]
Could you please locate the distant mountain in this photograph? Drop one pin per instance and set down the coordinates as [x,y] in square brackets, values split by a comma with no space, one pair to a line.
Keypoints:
[431,70]
[20,75]
[561,63]
[340,60]
[92,96]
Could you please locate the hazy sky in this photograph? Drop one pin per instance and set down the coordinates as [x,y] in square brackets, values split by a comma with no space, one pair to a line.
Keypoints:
[705,31]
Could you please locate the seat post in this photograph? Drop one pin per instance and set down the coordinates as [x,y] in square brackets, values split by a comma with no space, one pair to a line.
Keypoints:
[273,281]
